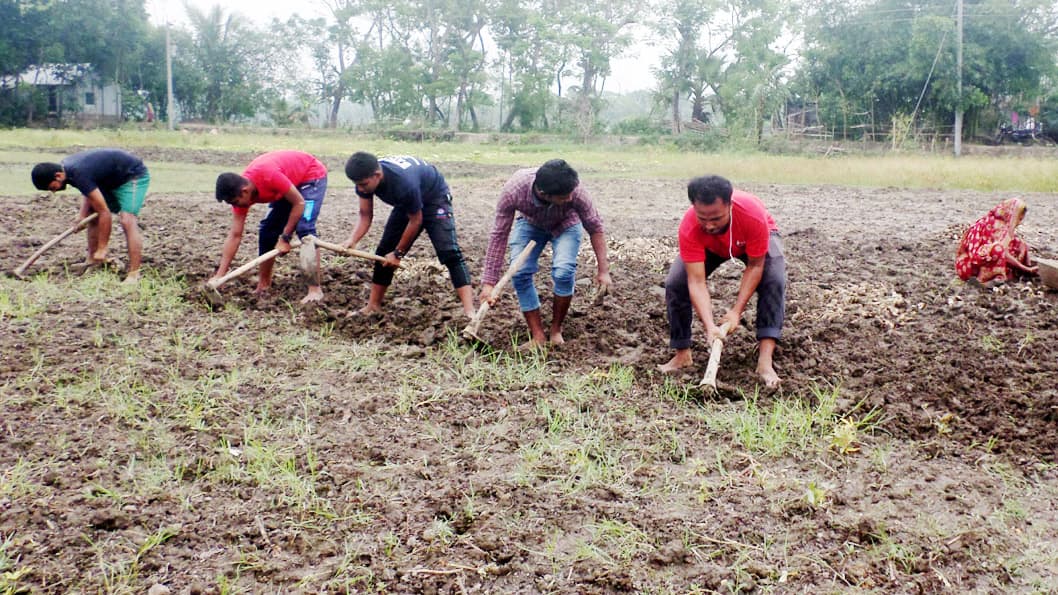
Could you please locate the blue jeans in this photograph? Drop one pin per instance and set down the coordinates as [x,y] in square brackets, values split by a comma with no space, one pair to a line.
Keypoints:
[272,225]
[564,249]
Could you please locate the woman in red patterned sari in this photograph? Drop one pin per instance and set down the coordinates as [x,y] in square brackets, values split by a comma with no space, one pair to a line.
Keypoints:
[990,250]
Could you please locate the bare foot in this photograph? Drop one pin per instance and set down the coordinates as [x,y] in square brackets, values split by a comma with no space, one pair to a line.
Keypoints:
[556,339]
[370,311]
[313,296]
[678,362]
[770,378]
[132,278]
[262,291]
[90,264]
[531,345]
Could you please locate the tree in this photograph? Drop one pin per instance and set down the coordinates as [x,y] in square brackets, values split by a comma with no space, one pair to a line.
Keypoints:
[680,23]
[223,67]
[881,56]
[533,58]
[596,33]
[754,85]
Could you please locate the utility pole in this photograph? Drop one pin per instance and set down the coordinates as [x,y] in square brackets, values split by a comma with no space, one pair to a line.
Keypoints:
[958,87]
[169,105]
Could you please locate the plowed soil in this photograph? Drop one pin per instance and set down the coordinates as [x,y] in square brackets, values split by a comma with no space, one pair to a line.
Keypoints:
[963,381]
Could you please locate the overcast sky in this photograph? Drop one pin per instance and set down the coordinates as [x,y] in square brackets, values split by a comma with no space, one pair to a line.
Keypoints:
[630,73]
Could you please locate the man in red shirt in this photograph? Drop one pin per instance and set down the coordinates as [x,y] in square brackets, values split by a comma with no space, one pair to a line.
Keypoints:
[293,184]
[721,224]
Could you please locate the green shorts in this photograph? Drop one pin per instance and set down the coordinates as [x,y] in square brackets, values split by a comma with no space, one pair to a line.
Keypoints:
[129,196]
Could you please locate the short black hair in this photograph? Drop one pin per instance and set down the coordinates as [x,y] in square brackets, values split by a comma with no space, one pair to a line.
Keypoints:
[43,174]
[706,189]
[360,166]
[556,178]
[229,185]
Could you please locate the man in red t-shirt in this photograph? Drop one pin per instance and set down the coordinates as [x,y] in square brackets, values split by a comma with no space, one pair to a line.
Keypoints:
[721,224]
[293,184]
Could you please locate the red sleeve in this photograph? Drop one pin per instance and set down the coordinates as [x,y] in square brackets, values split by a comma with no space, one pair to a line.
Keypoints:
[692,248]
[757,238]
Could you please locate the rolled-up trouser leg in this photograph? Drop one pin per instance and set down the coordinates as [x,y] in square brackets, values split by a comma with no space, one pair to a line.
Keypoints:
[678,305]
[771,292]
[678,300]
[564,250]
[522,280]
[395,225]
[440,226]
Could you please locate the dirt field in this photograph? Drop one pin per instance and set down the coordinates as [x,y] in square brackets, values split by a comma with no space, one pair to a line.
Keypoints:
[266,447]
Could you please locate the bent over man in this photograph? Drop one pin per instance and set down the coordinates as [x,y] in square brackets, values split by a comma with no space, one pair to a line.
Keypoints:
[721,224]
[421,201]
[111,181]
[551,206]
[293,184]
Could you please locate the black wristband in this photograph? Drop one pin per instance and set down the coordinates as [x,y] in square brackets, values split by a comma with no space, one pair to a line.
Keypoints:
[398,253]
[287,237]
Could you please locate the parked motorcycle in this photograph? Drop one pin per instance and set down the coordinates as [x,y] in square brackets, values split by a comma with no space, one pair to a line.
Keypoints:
[1022,136]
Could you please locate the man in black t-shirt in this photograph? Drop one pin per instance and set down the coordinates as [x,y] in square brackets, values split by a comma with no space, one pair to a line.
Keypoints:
[420,200]
[111,181]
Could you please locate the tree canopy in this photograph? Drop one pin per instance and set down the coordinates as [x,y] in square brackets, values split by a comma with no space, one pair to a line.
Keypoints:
[544,64]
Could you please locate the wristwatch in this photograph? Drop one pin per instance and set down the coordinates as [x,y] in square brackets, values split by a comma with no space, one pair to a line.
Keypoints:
[398,253]
[287,237]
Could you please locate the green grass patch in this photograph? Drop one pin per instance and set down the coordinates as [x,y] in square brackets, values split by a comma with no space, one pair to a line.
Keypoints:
[789,425]
[976,172]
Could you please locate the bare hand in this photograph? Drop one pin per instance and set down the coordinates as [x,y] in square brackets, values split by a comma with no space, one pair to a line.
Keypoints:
[283,246]
[732,318]
[486,295]
[391,260]
[349,244]
[604,280]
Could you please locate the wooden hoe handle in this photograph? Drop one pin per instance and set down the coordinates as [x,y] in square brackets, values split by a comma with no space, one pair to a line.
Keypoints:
[709,380]
[348,251]
[239,272]
[471,330]
[62,236]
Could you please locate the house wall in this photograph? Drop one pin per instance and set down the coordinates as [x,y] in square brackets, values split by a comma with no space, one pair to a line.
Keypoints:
[99,101]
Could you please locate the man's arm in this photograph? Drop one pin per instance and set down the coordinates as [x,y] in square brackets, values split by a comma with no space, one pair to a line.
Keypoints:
[231,244]
[501,230]
[95,203]
[700,299]
[598,244]
[751,277]
[363,222]
[406,238]
[297,209]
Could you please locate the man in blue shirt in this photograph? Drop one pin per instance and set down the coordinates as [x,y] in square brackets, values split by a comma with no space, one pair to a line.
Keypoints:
[111,181]
[421,200]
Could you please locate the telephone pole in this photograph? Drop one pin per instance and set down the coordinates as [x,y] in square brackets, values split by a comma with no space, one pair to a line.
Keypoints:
[958,68]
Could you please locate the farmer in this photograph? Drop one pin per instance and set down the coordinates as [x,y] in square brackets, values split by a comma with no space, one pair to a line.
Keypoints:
[293,183]
[551,206]
[111,181]
[723,223]
[990,250]
[421,201]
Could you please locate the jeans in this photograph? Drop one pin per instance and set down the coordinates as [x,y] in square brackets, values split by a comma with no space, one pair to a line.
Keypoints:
[771,295]
[564,249]
[279,211]
[440,224]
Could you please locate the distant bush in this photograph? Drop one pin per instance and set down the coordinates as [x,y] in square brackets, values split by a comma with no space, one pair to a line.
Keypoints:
[640,126]
[710,140]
